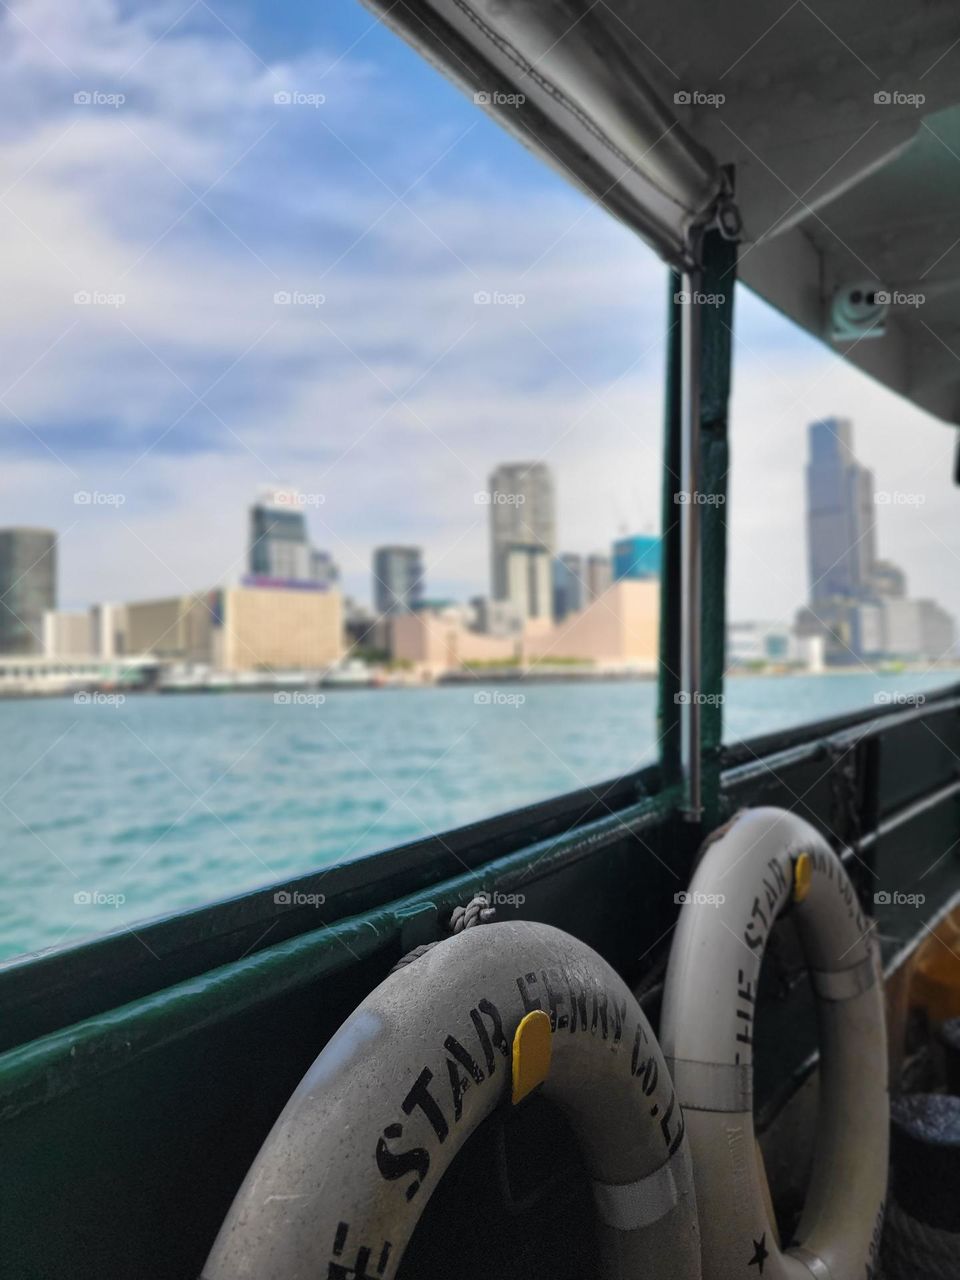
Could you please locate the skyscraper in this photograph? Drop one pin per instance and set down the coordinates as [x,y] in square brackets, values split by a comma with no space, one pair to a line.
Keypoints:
[522,514]
[279,549]
[397,579]
[279,541]
[840,515]
[28,587]
[568,585]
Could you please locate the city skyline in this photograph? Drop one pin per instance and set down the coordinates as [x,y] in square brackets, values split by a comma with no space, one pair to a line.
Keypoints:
[841,546]
[859,610]
[389,397]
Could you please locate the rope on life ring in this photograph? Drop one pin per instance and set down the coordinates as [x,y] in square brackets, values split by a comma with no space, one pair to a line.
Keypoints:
[478,1022]
[768,861]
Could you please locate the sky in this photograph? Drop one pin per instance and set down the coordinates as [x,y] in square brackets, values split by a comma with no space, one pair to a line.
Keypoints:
[155,199]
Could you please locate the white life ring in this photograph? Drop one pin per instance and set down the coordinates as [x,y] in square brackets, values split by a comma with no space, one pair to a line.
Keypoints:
[344,1175]
[766,860]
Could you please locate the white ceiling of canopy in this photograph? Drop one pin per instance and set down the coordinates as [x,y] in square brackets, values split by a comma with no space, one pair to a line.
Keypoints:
[840,122]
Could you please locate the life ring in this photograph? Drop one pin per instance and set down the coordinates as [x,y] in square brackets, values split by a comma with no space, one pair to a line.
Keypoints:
[766,860]
[476,1023]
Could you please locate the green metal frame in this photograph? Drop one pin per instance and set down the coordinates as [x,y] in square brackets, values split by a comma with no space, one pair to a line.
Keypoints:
[718,278]
[126,1134]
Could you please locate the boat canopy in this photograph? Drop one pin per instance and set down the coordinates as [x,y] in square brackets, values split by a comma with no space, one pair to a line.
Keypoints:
[841,129]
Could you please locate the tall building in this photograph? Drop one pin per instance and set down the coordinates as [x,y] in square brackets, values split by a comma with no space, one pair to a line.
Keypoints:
[568,585]
[279,551]
[398,579]
[522,514]
[858,604]
[28,587]
[637,556]
[840,515]
[279,540]
[599,575]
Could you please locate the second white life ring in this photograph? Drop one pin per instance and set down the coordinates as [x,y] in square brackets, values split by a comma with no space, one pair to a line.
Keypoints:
[766,861]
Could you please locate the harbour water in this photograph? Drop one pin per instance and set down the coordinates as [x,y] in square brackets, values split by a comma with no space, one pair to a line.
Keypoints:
[115,811]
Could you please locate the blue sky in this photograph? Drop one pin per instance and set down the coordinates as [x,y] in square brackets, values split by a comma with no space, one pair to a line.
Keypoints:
[198,198]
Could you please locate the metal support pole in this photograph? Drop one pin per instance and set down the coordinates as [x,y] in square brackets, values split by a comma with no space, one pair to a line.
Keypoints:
[690,538]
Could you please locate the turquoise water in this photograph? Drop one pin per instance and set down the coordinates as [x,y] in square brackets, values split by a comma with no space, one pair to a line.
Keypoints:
[164,802]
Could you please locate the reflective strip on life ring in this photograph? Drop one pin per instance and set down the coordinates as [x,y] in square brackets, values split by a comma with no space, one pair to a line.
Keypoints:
[346,1171]
[766,860]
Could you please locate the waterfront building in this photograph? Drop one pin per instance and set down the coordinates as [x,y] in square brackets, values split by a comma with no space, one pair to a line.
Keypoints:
[868,630]
[177,628]
[237,629]
[522,514]
[271,629]
[917,629]
[619,633]
[497,617]
[108,630]
[28,587]
[760,644]
[67,635]
[398,579]
[599,576]
[637,556]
